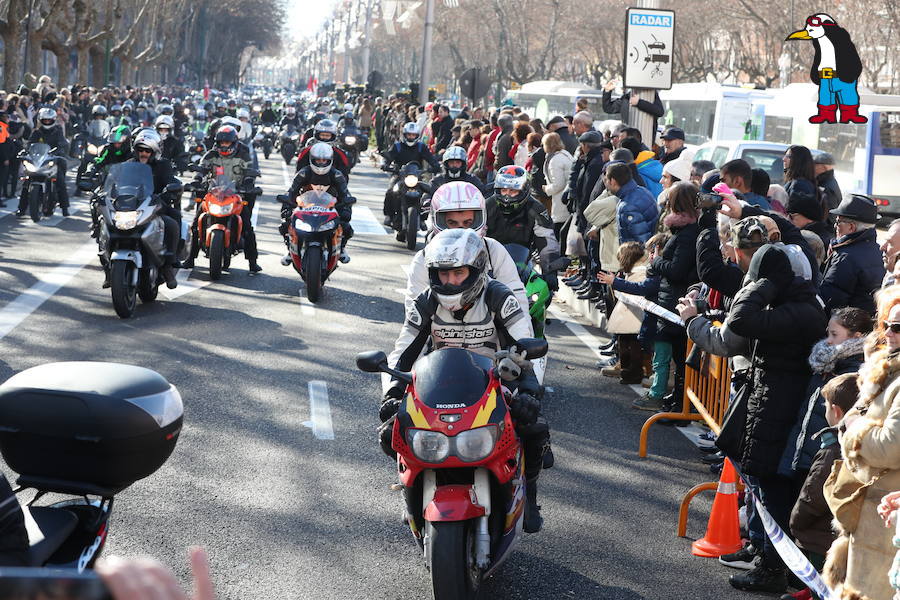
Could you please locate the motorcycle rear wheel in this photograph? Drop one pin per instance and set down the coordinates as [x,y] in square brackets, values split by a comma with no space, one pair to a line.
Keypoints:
[451,546]
[216,254]
[123,293]
[34,203]
[312,273]
[412,228]
[148,288]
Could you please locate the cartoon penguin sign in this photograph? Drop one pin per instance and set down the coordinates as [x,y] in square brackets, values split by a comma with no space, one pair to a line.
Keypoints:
[836,68]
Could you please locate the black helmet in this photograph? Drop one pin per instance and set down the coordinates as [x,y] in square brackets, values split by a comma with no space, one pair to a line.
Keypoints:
[226,134]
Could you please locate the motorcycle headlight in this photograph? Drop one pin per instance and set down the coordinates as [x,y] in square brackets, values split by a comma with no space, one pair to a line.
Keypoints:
[476,444]
[295,137]
[30,167]
[429,446]
[92,149]
[49,164]
[267,130]
[411,181]
[221,209]
[350,140]
[126,219]
[302,225]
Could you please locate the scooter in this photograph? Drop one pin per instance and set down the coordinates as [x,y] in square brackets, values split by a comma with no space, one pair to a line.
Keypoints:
[86,430]
[132,235]
[314,239]
[460,464]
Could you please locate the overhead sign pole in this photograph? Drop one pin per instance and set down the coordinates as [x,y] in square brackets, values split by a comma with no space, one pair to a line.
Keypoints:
[649,37]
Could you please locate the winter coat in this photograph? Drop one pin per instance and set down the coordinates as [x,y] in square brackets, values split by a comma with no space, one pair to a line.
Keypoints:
[622,107]
[712,268]
[601,213]
[649,289]
[852,272]
[489,157]
[823,230]
[670,156]
[831,191]
[557,168]
[568,140]
[472,153]
[782,323]
[588,176]
[790,234]
[871,448]
[811,517]
[826,362]
[651,171]
[677,265]
[535,168]
[501,151]
[636,213]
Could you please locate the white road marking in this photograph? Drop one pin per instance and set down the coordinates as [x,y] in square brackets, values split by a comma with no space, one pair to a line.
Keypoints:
[319,411]
[284,174]
[76,205]
[364,222]
[307,308]
[48,284]
[185,285]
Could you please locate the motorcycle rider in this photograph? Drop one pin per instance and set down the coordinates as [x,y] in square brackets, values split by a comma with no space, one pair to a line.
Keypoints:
[321,171]
[221,109]
[116,150]
[325,131]
[200,124]
[147,150]
[464,308]
[290,116]
[454,163]
[98,125]
[172,145]
[50,133]
[515,217]
[268,116]
[115,115]
[245,131]
[230,157]
[410,149]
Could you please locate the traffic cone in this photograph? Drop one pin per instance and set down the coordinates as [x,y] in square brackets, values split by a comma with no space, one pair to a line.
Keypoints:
[723,533]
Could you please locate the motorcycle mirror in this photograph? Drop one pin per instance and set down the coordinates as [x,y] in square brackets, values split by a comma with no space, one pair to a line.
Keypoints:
[533,347]
[372,361]
[283,198]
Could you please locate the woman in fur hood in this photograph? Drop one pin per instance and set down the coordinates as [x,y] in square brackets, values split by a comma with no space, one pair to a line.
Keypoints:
[859,560]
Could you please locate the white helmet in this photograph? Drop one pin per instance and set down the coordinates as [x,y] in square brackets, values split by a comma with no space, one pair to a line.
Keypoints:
[456,196]
[164,121]
[348,107]
[47,117]
[148,138]
[452,249]
[411,129]
[325,126]
[200,115]
[321,157]
[454,153]
[243,113]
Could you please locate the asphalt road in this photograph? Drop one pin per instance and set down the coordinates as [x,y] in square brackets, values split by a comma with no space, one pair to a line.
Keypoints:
[292,498]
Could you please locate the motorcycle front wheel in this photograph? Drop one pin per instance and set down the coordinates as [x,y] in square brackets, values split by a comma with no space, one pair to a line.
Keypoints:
[34,203]
[412,228]
[451,546]
[312,272]
[124,295]
[216,254]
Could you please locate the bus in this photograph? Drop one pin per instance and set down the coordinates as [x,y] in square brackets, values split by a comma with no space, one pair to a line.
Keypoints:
[546,99]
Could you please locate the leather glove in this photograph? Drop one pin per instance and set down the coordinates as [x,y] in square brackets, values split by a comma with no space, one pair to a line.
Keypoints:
[524,409]
[388,409]
[385,437]
[552,280]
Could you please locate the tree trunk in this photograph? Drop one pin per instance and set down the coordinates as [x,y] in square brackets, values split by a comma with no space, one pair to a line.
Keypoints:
[12,40]
[98,65]
[84,56]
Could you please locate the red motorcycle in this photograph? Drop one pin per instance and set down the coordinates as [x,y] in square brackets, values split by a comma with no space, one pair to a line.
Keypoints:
[314,239]
[460,464]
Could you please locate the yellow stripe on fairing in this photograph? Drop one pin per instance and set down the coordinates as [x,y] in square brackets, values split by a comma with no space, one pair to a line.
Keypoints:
[413,411]
[485,412]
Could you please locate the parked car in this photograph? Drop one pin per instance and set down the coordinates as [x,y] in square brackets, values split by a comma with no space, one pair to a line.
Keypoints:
[762,155]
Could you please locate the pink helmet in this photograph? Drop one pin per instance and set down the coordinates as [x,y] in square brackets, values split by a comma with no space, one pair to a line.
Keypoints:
[456,196]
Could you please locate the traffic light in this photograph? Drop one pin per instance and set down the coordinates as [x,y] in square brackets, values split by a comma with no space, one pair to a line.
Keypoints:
[414,91]
[432,94]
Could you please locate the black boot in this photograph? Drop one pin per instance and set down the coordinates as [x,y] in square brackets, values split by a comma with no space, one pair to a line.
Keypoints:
[254,267]
[765,577]
[168,274]
[533,520]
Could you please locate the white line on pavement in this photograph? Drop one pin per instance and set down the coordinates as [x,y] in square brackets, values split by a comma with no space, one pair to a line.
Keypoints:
[185,285]
[284,174]
[364,222]
[48,284]
[307,308]
[319,411]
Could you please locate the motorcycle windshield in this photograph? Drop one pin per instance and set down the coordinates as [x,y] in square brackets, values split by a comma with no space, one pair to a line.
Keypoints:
[128,184]
[38,153]
[520,256]
[221,187]
[451,376]
[315,199]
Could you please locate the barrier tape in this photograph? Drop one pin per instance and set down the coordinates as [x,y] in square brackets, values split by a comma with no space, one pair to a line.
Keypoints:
[792,556]
[650,307]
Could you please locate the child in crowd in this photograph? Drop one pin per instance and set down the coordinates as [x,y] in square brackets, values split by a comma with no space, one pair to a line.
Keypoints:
[811,517]
[633,268]
[648,288]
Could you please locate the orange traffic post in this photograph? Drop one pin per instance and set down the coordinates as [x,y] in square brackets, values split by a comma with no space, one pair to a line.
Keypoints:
[723,533]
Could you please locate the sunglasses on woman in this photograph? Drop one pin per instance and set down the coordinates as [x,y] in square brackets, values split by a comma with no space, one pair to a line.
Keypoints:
[894,327]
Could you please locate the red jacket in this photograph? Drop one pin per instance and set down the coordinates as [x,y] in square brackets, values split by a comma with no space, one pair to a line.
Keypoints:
[489,157]
[472,153]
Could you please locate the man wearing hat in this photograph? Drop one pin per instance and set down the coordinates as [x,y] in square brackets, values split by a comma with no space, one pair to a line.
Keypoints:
[560,126]
[673,143]
[824,164]
[805,212]
[854,269]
